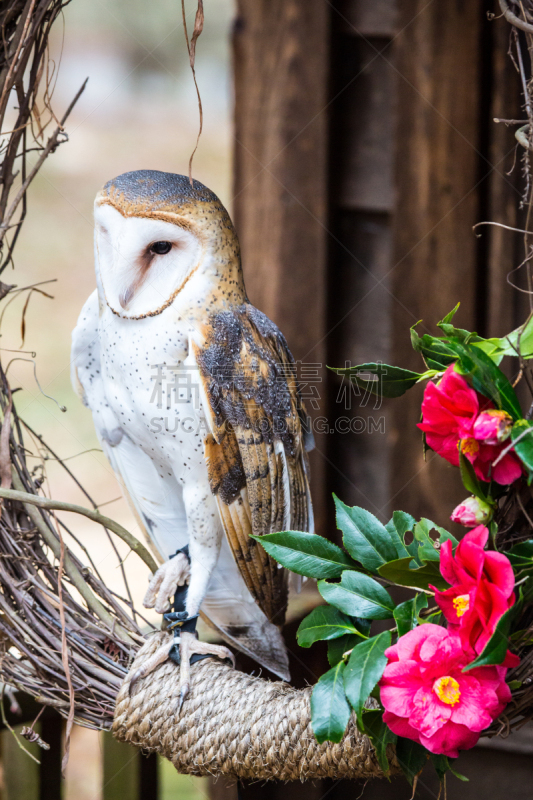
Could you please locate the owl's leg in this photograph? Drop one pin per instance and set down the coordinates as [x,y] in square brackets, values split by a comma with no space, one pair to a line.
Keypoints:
[205,539]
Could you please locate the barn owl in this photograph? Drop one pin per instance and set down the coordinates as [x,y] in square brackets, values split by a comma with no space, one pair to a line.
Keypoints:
[195,401]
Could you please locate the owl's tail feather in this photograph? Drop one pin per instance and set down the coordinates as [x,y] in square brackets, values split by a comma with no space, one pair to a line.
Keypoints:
[261,640]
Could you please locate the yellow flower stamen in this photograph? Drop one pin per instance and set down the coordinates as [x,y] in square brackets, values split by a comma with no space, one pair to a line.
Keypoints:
[461,604]
[470,447]
[447,690]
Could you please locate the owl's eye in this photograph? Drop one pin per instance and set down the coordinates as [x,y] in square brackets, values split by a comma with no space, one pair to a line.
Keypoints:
[160,248]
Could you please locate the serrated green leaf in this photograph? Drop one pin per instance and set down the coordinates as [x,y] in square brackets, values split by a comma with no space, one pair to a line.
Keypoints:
[495,650]
[401,573]
[306,553]
[403,521]
[523,447]
[406,614]
[412,757]
[330,710]
[397,528]
[364,536]
[379,734]
[324,623]
[364,670]
[486,377]
[386,380]
[358,595]
[426,548]
[338,647]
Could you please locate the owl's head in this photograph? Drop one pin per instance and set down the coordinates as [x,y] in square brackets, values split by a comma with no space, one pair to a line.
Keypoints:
[153,234]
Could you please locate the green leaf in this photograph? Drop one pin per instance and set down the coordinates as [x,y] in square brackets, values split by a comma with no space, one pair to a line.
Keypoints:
[524,447]
[403,522]
[387,381]
[401,573]
[434,351]
[397,528]
[306,553]
[470,480]
[519,339]
[324,623]
[492,348]
[330,710]
[427,550]
[441,764]
[521,557]
[487,378]
[338,647]
[449,316]
[406,614]
[359,596]
[364,670]
[379,734]
[412,757]
[495,650]
[524,549]
[363,536]
[459,775]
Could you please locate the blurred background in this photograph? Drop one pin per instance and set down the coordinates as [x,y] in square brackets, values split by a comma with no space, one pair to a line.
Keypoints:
[139,111]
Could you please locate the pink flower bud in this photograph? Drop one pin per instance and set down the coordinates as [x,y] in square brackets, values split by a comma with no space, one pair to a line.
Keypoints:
[493,426]
[471,512]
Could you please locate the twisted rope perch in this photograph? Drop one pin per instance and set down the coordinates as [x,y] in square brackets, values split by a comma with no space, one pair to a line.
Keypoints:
[235,725]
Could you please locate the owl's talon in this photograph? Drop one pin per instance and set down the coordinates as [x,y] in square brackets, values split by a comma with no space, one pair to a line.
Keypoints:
[189,646]
[183,694]
[163,584]
[159,657]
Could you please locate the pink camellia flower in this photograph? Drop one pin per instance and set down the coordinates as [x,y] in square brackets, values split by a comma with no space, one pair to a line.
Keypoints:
[493,426]
[428,698]
[450,410]
[471,511]
[482,588]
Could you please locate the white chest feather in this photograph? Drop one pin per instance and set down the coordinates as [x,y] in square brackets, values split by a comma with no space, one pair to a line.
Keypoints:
[152,392]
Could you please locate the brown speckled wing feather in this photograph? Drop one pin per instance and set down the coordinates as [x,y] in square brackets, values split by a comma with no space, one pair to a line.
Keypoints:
[255,451]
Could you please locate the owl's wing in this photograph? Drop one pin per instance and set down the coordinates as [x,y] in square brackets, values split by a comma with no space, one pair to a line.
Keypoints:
[256,444]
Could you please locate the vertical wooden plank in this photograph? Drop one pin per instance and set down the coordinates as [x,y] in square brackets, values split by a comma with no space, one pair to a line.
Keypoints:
[149,777]
[504,248]
[220,789]
[435,251]
[362,199]
[121,769]
[280,203]
[50,781]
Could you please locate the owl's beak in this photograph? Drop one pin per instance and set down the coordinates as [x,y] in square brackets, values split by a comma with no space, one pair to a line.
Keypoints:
[126,297]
